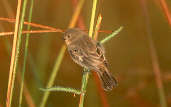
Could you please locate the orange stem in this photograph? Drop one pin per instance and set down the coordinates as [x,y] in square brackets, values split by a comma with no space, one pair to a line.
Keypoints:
[11,72]
[166,10]
[30,31]
[28,23]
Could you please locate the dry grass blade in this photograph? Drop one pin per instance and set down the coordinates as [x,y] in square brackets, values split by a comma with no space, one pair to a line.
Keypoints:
[11,72]
[80,21]
[76,14]
[97,28]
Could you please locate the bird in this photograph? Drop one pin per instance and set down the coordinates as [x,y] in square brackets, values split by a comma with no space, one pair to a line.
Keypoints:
[89,54]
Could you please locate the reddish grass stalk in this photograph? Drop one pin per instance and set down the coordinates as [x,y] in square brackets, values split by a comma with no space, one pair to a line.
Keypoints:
[166,11]
[49,28]
[154,58]
[13,58]
[28,97]
[28,23]
[30,31]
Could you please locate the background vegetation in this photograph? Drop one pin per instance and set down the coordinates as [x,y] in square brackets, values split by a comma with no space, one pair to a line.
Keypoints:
[139,56]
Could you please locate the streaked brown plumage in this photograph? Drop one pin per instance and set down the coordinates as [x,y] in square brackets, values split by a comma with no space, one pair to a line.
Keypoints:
[89,54]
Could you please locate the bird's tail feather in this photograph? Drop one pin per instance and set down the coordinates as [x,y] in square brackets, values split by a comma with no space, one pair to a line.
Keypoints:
[107,80]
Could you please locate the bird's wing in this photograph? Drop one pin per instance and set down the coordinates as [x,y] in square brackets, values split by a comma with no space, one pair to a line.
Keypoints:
[83,57]
[98,55]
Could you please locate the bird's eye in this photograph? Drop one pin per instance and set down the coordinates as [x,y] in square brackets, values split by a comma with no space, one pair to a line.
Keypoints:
[75,50]
[68,36]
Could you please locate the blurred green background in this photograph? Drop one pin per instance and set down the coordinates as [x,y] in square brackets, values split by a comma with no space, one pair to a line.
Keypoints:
[128,53]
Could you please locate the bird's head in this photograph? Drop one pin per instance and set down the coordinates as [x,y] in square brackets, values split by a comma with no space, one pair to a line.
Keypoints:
[71,35]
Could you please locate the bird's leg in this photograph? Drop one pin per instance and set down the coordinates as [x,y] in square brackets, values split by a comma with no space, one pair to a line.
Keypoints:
[85,70]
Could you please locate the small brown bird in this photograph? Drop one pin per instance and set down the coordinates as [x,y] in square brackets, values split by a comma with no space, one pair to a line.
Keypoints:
[89,54]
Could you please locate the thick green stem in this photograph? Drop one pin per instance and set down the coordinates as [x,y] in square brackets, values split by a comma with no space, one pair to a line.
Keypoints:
[84,86]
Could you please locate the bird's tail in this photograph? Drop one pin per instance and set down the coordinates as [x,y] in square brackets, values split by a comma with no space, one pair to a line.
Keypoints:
[107,80]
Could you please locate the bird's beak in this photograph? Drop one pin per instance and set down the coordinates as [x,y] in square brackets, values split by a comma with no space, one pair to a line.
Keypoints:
[63,38]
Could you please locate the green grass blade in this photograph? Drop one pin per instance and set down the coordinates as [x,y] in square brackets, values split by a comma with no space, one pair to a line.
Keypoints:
[63,89]
[111,35]
[25,54]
